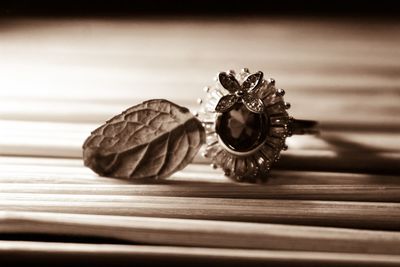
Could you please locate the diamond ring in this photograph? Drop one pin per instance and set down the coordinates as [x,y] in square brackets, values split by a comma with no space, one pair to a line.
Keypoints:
[247,123]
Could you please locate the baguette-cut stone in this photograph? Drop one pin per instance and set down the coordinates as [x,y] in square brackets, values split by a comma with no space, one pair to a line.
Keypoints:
[240,129]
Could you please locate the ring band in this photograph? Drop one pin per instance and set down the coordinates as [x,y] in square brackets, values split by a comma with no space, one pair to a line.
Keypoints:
[303,127]
[246,122]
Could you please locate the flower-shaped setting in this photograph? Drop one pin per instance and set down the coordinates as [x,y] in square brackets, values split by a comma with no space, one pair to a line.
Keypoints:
[246,124]
[240,93]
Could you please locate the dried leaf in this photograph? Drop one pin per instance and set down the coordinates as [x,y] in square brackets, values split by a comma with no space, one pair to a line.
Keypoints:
[151,140]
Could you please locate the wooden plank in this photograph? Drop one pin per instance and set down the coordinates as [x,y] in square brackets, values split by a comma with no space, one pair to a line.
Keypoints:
[363,161]
[31,170]
[342,59]
[332,111]
[201,233]
[194,177]
[64,254]
[70,136]
[366,215]
[333,151]
[372,193]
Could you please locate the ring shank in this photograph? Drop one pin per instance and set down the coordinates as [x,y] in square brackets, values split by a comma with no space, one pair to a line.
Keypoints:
[303,127]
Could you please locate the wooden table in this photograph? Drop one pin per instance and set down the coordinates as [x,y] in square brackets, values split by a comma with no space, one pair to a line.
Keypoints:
[333,200]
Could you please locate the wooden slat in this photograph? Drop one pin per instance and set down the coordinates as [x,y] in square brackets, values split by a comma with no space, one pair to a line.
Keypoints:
[201,233]
[64,254]
[334,111]
[26,170]
[61,136]
[331,66]
[332,151]
[368,215]
[373,193]
[70,171]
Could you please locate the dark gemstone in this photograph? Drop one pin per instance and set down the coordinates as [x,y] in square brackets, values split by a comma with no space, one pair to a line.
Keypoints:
[240,129]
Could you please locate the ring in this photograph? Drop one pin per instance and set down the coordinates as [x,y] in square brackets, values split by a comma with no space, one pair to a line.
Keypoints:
[246,123]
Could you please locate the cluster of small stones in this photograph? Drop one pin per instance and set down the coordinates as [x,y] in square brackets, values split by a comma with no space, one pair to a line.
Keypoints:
[253,167]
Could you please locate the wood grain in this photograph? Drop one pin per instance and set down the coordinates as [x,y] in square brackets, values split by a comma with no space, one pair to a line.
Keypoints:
[371,193]
[333,151]
[332,66]
[203,233]
[64,254]
[38,170]
[61,79]
[366,215]
[70,135]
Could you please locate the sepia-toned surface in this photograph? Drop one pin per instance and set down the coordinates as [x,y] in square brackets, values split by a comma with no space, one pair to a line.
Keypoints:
[333,200]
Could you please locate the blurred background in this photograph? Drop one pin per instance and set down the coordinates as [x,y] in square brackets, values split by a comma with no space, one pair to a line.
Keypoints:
[66,67]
